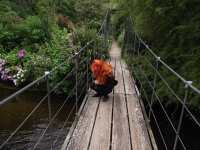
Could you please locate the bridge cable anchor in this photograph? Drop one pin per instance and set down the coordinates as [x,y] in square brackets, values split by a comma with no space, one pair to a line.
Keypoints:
[158,58]
[188,83]
[47,73]
[48,93]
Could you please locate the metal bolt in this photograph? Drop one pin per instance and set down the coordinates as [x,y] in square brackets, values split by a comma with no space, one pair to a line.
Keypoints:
[188,83]
[46,73]
[158,58]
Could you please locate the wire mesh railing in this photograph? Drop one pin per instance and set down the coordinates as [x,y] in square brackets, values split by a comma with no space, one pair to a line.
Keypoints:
[158,88]
[80,77]
[75,89]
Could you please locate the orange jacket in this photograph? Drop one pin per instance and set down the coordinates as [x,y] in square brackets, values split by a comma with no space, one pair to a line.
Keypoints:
[101,70]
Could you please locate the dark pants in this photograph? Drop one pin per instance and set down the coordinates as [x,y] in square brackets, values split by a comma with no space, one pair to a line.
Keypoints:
[105,89]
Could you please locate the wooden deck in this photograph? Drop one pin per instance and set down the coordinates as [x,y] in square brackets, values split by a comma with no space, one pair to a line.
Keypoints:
[116,123]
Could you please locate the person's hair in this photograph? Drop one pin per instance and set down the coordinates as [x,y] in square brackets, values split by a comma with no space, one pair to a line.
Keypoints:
[101,70]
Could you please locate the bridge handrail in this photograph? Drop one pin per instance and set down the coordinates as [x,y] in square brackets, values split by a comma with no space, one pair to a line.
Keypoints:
[9,98]
[152,84]
[35,108]
[45,77]
[58,111]
[186,82]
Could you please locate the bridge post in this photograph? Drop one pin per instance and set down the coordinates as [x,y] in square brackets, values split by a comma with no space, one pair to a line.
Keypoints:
[48,92]
[76,84]
[154,85]
[134,48]
[138,50]
[181,115]
[87,72]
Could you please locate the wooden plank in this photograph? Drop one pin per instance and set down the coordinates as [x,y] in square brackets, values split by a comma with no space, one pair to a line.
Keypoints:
[101,136]
[82,133]
[115,51]
[128,80]
[85,101]
[151,136]
[112,62]
[139,134]
[122,117]
[120,135]
[118,75]
[102,129]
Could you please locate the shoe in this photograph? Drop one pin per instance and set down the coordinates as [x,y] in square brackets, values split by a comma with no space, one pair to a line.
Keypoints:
[96,95]
[105,97]
[115,82]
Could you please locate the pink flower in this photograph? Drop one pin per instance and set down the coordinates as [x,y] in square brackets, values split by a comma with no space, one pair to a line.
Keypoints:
[21,53]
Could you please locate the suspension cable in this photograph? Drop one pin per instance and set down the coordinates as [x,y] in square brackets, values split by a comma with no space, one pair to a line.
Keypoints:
[56,114]
[53,118]
[36,107]
[187,84]
[165,112]
[67,117]
[165,64]
[167,116]
[9,98]
[174,93]
[40,79]
[157,124]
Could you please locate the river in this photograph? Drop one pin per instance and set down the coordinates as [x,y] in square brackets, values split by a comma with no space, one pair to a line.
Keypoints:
[189,133]
[13,113]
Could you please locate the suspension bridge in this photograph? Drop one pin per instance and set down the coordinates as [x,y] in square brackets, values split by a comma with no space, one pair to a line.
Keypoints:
[117,122]
[120,122]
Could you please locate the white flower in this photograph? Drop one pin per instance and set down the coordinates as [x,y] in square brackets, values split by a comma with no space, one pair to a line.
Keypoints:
[15,82]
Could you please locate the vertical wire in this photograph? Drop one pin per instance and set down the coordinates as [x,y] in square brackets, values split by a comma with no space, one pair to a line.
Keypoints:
[181,117]
[154,85]
[76,74]
[49,98]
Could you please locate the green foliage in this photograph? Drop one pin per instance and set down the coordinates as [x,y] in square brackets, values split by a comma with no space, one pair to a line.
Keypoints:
[67,8]
[91,12]
[172,28]
[32,25]
[83,35]
[11,59]
[120,39]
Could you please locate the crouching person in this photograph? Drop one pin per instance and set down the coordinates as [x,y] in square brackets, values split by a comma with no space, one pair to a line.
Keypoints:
[103,78]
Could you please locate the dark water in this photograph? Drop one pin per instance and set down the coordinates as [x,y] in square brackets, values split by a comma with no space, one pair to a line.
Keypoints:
[13,113]
[189,133]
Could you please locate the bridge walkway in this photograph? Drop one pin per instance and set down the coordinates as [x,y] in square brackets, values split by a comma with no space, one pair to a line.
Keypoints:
[116,123]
